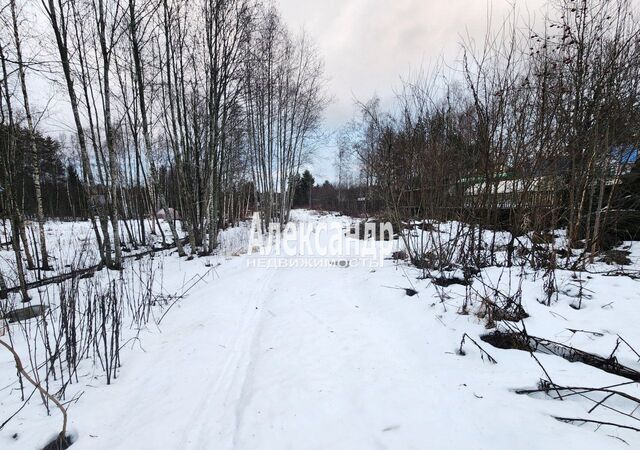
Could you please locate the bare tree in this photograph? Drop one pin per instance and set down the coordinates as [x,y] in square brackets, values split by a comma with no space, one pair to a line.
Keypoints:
[35,159]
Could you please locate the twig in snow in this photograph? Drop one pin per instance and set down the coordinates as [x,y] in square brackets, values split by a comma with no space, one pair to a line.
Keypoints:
[184,293]
[482,351]
[601,402]
[25,403]
[630,347]
[618,438]
[20,368]
[547,374]
[595,333]
[555,314]
[598,422]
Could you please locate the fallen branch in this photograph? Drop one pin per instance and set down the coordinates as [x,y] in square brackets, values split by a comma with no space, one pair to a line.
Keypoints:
[84,272]
[525,342]
[621,273]
[598,422]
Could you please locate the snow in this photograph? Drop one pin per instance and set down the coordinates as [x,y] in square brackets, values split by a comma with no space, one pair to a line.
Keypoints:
[71,245]
[336,357]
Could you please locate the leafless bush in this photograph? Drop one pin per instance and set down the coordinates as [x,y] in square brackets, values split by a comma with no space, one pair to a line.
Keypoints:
[87,321]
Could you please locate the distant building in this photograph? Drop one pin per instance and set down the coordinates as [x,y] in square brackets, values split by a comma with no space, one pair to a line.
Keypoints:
[542,191]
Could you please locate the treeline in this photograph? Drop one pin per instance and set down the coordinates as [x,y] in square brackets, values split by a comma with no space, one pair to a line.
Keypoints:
[62,190]
[204,107]
[537,129]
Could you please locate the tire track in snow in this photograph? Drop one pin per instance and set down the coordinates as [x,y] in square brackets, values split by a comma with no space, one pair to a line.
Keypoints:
[225,386]
[244,397]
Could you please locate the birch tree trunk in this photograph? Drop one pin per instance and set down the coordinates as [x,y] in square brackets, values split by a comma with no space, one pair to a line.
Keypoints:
[151,184]
[35,158]
[106,52]
[63,51]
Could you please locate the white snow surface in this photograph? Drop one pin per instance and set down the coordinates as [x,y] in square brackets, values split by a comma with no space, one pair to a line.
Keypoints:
[72,245]
[339,358]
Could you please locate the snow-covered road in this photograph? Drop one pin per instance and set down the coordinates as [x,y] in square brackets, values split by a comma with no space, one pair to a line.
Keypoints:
[323,358]
[288,358]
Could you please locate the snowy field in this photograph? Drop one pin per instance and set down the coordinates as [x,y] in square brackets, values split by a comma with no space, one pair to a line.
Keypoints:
[71,245]
[238,356]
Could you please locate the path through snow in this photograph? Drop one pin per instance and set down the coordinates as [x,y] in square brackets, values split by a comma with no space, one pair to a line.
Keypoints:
[321,358]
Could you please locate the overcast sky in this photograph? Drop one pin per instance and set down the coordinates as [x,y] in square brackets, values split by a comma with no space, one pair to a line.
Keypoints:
[367,45]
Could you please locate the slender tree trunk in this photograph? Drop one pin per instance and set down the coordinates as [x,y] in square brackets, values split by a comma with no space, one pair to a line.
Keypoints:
[35,159]
[63,50]
[145,125]
[113,157]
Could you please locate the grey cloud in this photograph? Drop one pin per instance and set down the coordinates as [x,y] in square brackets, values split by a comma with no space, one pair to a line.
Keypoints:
[369,44]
